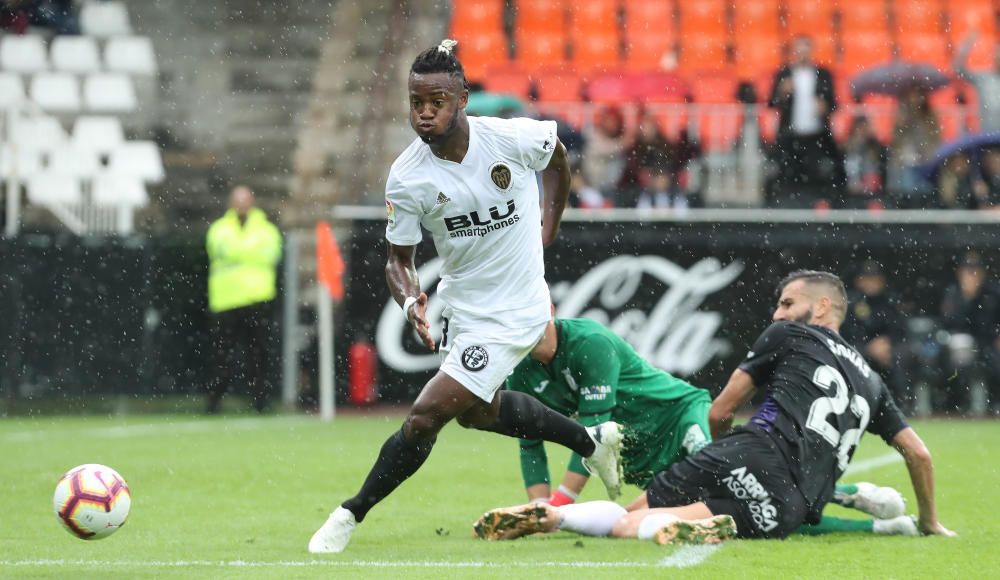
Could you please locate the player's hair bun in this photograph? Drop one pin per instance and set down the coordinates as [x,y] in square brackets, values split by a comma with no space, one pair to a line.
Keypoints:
[447,46]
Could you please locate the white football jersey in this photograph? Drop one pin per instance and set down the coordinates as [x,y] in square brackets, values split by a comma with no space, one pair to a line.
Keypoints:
[484,216]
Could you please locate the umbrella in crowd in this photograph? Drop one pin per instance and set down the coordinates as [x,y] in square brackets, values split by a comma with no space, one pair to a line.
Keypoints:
[896,78]
[493,104]
[970,143]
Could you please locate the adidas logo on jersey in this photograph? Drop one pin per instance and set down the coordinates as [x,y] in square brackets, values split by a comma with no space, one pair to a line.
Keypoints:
[442,198]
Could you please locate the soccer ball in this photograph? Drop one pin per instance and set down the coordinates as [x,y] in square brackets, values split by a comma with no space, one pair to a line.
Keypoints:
[92,501]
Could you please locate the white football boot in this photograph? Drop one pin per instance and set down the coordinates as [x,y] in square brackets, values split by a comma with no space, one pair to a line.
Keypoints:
[333,537]
[901,526]
[606,461]
[884,503]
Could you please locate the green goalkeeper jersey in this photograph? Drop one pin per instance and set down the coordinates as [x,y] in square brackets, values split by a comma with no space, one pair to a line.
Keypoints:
[596,376]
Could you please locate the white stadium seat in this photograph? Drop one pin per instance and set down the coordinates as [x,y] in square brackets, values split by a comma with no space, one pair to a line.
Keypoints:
[119,190]
[41,133]
[75,54]
[23,54]
[73,161]
[56,92]
[48,187]
[11,90]
[138,159]
[109,92]
[130,54]
[104,19]
[98,134]
[23,163]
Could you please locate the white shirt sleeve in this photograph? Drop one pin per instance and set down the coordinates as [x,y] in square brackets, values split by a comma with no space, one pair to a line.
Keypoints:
[536,140]
[402,214]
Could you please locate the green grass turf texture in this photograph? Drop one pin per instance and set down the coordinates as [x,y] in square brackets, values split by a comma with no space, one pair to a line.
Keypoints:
[240,497]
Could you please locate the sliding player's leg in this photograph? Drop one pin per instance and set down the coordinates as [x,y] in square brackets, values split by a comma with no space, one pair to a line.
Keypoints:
[897,526]
[881,502]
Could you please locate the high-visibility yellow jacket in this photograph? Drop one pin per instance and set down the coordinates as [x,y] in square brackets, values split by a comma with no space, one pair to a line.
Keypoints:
[243,261]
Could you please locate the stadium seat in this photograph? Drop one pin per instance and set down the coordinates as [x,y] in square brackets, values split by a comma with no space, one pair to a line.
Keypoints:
[658,87]
[480,51]
[508,80]
[861,16]
[38,133]
[540,15]
[718,126]
[104,19]
[130,54]
[924,48]
[11,90]
[23,54]
[597,53]
[702,51]
[981,57]
[824,49]
[864,50]
[812,18]
[536,49]
[756,54]
[649,16]
[113,190]
[593,18]
[476,17]
[703,17]
[109,93]
[647,50]
[965,17]
[74,161]
[138,159]
[559,85]
[48,187]
[56,92]
[98,134]
[916,17]
[610,89]
[713,88]
[75,54]
[20,163]
[756,17]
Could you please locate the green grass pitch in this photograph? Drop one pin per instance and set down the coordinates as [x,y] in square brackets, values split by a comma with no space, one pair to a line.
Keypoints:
[240,497]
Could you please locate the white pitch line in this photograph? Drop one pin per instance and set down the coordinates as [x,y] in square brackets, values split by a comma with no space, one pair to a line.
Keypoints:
[319,564]
[872,463]
[687,556]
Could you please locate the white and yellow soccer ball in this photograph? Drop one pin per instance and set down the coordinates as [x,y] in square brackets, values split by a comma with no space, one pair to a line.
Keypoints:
[92,501]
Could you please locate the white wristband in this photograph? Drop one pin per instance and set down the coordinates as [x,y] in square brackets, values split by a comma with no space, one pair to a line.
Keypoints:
[410,301]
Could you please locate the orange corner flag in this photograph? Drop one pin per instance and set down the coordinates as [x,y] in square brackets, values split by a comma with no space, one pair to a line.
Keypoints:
[329,263]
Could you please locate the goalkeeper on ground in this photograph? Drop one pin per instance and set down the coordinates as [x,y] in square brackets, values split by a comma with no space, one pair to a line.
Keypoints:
[584,370]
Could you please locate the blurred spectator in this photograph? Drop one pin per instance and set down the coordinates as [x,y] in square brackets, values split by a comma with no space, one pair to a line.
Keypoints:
[987,186]
[582,195]
[970,313]
[916,137]
[243,252]
[875,326]
[58,15]
[986,83]
[645,162]
[604,152]
[864,165]
[955,183]
[810,166]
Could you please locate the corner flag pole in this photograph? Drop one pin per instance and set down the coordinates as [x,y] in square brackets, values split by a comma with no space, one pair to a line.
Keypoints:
[329,274]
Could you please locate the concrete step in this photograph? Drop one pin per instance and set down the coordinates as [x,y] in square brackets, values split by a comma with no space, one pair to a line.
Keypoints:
[250,41]
[272,75]
[267,110]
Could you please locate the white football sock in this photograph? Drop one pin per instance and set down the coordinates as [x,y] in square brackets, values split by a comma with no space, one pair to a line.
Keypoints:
[654,522]
[591,518]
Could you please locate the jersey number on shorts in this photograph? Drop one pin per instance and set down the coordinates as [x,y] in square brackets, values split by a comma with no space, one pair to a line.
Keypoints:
[827,378]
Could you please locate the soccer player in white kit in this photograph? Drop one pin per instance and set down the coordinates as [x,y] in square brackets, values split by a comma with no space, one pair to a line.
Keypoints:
[471,183]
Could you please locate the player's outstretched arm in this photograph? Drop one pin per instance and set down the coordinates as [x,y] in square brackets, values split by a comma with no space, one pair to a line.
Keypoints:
[921,468]
[401,276]
[555,179]
[738,391]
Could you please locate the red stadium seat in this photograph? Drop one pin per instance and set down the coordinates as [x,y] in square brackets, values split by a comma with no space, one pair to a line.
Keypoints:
[703,17]
[540,15]
[916,17]
[713,88]
[647,50]
[594,17]
[982,54]
[756,54]
[611,89]
[507,79]
[597,52]
[658,87]
[965,17]
[559,84]
[858,16]
[809,17]
[536,49]
[649,16]
[718,126]
[477,16]
[864,50]
[924,48]
[703,51]
[480,51]
[757,17]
